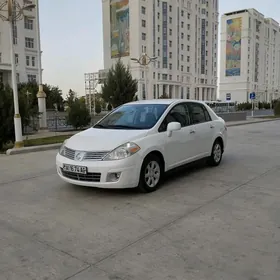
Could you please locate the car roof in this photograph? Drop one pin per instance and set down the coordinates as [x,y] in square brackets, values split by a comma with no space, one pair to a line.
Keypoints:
[164,101]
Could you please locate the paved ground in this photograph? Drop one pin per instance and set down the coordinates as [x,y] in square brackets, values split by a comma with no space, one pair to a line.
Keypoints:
[204,224]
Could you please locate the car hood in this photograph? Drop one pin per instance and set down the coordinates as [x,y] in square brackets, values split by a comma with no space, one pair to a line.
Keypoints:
[94,139]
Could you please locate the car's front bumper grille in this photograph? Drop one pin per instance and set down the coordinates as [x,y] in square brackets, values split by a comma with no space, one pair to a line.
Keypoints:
[92,156]
[89,177]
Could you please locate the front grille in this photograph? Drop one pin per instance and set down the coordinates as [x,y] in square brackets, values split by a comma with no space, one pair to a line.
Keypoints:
[94,156]
[89,177]
[69,153]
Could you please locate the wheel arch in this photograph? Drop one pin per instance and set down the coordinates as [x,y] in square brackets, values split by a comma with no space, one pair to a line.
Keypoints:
[220,139]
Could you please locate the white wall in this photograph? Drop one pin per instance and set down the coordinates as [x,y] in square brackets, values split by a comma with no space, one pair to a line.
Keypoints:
[265,63]
[22,69]
[175,77]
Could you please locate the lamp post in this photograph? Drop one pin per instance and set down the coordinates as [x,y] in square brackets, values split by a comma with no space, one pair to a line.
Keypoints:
[14,12]
[41,95]
[144,60]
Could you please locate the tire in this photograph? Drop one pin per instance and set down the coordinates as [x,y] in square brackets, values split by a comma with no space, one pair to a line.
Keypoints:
[151,174]
[216,154]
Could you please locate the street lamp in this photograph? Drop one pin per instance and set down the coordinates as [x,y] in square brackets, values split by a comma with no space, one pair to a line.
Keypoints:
[144,60]
[14,13]
[41,95]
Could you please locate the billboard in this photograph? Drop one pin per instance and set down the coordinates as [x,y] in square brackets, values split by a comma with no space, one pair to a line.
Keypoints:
[233,46]
[119,28]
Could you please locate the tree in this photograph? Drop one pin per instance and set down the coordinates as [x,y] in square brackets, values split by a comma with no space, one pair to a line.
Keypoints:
[277,108]
[71,97]
[164,96]
[109,107]
[98,107]
[78,114]
[7,114]
[53,95]
[119,86]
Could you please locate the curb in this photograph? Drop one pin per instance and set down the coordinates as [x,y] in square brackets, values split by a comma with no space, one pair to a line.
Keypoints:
[252,122]
[26,150]
[42,148]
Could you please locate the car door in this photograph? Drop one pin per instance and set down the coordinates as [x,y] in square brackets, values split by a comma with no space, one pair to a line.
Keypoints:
[178,148]
[203,128]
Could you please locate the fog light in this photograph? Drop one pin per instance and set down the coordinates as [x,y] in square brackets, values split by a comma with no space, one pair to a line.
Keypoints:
[113,177]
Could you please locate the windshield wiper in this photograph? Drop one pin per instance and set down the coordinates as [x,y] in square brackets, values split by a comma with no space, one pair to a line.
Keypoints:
[99,126]
[121,126]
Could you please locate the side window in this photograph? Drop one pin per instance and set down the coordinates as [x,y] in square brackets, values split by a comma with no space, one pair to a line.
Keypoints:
[179,113]
[207,115]
[199,113]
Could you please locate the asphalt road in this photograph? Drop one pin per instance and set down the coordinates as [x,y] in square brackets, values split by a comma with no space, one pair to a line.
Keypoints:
[203,224]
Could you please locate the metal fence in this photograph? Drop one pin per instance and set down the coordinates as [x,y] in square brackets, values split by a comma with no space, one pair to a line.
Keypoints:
[55,123]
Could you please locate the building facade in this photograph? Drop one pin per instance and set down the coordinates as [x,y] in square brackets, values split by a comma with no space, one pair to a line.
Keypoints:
[181,34]
[249,56]
[25,45]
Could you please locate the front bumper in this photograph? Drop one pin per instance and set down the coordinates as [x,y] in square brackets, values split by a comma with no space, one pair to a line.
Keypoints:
[98,172]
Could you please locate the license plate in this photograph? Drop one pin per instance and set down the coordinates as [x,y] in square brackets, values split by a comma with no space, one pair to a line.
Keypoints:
[75,169]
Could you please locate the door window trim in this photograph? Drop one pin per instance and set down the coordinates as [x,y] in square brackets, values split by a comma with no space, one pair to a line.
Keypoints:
[182,103]
[206,113]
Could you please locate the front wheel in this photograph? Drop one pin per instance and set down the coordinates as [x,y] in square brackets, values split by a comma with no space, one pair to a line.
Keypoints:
[216,154]
[151,174]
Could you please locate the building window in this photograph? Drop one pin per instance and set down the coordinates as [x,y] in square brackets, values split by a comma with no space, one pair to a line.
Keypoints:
[1,77]
[18,81]
[15,37]
[29,43]
[28,23]
[33,61]
[27,60]
[143,23]
[144,36]
[16,58]
[143,10]
[31,78]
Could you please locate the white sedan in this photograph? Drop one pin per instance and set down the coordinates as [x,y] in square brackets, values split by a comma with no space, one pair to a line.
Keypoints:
[135,144]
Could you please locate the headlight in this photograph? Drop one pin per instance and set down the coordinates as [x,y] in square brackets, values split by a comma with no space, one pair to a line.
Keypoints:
[62,149]
[123,151]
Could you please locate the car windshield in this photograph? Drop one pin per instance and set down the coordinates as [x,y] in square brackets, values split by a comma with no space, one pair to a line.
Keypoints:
[133,116]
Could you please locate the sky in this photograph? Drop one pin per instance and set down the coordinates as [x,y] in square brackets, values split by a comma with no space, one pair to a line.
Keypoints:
[72,40]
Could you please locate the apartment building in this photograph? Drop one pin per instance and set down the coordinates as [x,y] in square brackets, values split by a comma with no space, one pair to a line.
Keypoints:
[249,56]
[181,34]
[25,45]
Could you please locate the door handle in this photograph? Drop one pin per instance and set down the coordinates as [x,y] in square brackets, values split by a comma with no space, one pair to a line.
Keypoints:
[212,126]
[192,131]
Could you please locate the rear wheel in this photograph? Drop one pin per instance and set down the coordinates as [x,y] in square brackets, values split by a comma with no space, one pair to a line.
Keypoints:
[216,154]
[151,174]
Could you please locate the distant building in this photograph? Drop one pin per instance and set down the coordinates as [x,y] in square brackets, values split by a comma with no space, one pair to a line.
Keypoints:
[249,56]
[181,34]
[25,44]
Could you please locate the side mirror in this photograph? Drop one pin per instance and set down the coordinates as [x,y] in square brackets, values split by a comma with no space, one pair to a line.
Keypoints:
[173,126]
